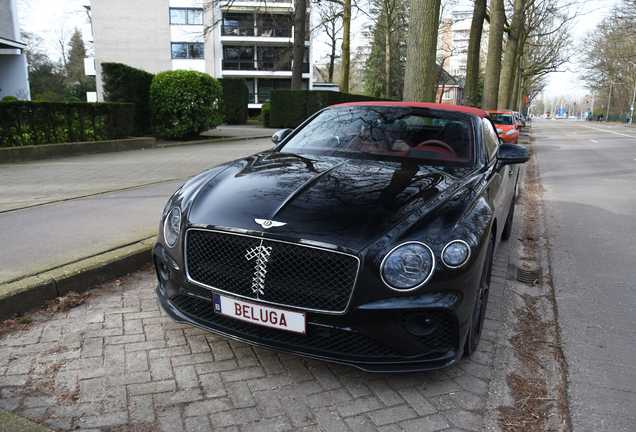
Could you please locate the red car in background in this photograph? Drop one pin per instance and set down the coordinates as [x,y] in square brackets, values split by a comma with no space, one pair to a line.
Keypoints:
[506,124]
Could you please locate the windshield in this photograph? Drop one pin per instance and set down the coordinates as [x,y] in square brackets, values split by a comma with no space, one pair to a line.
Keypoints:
[501,119]
[426,136]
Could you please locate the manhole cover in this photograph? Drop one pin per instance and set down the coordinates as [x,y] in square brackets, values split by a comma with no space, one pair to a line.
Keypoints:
[531,277]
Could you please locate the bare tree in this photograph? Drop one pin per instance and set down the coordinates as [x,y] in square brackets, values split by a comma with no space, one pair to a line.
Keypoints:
[474,45]
[329,23]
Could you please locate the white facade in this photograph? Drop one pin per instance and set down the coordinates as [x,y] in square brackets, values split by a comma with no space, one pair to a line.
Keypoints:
[14,75]
[248,39]
[453,42]
[462,21]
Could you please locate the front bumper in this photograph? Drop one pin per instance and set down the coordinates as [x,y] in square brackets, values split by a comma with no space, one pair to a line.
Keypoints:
[375,337]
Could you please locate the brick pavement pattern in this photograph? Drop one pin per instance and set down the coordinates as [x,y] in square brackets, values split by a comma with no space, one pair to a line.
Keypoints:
[117,362]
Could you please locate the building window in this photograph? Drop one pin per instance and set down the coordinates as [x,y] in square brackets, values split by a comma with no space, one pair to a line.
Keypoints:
[238,58]
[183,50]
[237,24]
[179,16]
[448,95]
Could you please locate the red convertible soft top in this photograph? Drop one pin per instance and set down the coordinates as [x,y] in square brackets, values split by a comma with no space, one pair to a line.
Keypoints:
[477,111]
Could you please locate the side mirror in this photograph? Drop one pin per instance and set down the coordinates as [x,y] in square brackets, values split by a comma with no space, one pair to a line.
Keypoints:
[279,136]
[499,131]
[510,154]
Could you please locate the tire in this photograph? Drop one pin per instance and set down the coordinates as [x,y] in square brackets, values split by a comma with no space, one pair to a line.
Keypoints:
[507,230]
[481,302]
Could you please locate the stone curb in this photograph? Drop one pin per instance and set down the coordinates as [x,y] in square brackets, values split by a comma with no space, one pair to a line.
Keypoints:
[50,151]
[12,423]
[24,294]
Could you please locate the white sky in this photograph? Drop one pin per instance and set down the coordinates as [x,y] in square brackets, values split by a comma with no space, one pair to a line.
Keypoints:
[568,82]
[46,18]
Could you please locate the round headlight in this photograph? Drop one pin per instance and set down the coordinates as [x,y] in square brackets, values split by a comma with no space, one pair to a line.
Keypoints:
[456,253]
[171,226]
[408,266]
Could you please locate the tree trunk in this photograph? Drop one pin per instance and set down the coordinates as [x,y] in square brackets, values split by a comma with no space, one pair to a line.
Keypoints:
[332,61]
[493,62]
[474,45]
[387,60]
[299,44]
[346,54]
[516,91]
[419,81]
[508,68]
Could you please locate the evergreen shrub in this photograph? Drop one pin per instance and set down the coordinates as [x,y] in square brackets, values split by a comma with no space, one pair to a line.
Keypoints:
[123,83]
[289,108]
[24,123]
[235,98]
[265,115]
[185,103]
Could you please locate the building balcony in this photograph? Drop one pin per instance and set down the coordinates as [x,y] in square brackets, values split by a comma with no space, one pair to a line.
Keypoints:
[259,66]
[256,31]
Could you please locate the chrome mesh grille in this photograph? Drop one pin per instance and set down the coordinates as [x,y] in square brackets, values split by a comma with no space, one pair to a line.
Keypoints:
[296,275]
[318,339]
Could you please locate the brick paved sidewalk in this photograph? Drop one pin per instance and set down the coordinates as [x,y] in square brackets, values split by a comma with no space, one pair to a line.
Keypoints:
[118,360]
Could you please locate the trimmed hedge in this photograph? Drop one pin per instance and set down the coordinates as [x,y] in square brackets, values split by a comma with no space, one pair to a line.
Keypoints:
[265,115]
[25,123]
[185,103]
[236,98]
[289,108]
[123,83]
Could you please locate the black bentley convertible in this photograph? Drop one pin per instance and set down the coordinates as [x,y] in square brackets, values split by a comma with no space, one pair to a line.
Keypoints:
[365,237]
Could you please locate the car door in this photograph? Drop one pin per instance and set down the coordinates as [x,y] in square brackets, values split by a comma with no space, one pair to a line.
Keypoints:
[502,178]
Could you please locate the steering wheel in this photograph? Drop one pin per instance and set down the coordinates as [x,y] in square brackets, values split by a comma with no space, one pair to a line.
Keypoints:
[437,143]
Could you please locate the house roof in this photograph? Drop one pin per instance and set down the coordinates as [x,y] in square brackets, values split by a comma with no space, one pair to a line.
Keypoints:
[11,44]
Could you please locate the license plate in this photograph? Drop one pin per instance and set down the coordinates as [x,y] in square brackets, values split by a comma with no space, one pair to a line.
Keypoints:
[260,315]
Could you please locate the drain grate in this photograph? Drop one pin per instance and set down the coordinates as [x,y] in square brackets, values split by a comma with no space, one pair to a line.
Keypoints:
[531,277]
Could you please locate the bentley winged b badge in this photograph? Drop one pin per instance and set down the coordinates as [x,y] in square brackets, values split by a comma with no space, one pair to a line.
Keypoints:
[267,224]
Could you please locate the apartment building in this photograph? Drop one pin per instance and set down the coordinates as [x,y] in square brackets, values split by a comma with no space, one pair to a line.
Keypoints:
[14,75]
[453,43]
[224,38]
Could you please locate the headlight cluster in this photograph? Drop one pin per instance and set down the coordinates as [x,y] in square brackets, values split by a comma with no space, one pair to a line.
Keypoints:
[510,132]
[410,265]
[171,226]
[455,253]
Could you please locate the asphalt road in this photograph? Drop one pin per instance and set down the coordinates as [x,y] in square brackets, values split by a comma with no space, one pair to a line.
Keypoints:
[588,170]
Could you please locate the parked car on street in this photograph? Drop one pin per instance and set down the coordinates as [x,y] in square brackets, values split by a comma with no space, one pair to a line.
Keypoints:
[520,118]
[364,237]
[506,124]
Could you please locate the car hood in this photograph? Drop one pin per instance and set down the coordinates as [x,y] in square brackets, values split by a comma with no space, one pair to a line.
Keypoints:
[344,202]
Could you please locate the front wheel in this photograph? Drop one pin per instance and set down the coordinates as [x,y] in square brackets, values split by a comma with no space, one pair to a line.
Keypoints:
[479,310]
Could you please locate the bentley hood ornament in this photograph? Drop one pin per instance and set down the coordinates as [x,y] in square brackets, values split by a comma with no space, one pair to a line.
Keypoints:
[267,224]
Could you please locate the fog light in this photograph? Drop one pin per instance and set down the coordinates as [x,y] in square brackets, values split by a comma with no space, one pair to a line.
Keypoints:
[164,272]
[421,324]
